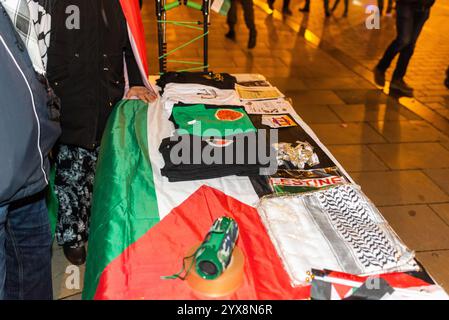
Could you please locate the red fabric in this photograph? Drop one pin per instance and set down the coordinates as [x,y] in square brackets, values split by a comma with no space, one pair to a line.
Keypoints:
[136,273]
[131,10]
[395,279]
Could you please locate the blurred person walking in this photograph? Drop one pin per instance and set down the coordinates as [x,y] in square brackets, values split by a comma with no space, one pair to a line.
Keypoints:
[306,7]
[410,19]
[285,6]
[248,12]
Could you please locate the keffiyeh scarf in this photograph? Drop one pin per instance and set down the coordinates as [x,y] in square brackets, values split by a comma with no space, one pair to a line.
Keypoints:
[32,20]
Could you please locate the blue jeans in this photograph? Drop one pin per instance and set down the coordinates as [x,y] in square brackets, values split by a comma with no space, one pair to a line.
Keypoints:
[25,251]
[409,23]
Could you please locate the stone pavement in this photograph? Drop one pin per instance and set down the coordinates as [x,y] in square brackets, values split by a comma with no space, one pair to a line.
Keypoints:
[398,151]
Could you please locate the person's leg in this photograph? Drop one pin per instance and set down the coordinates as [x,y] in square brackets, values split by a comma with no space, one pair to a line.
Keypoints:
[404,30]
[28,251]
[73,187]
[326,8]
[286,7]
[345,13]
[334,7]
[380,5]
[419,19]
[231,19]
[248,11]
[271,4]
[306,7]
[3,215]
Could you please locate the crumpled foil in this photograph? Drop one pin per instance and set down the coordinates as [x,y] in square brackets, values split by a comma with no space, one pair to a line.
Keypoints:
[298,155]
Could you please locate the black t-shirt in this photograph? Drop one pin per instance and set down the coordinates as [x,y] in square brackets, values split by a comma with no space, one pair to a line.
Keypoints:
[218,80]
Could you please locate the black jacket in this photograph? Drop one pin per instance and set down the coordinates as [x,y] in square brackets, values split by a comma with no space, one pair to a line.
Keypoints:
[27,131]
[86,69]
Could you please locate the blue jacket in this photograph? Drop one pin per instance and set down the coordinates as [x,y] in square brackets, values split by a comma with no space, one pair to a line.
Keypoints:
[27,133]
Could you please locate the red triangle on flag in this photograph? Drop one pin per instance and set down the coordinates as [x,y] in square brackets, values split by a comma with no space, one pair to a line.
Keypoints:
[341,289]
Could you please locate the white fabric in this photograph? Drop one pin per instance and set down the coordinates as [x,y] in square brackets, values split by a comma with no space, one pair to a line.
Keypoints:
[33,23]
[334,229]
[198,94]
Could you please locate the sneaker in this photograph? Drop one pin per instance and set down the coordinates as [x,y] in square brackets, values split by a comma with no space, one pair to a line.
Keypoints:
[398,86]
[379,77]
[230,34]
[252,39]
[271,4]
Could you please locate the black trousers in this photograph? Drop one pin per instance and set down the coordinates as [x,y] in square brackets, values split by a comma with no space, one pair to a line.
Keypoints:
[410,20]
[248,13]
[285,4]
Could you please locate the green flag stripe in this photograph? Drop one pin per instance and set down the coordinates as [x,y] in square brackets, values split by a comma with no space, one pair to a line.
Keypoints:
[124,200]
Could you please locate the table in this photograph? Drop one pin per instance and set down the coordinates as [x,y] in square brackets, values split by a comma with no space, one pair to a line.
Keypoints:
[142,225]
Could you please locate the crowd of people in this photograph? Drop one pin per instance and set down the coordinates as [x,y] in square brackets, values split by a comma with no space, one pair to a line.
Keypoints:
[56,99]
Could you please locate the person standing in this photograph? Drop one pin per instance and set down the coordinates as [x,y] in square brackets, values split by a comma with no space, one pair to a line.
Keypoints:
[410,19]
[306,7]
[248,12]
[28,129]
[285,6]
[86,67]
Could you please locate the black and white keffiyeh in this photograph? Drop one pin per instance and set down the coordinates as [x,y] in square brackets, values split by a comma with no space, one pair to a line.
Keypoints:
[32,20]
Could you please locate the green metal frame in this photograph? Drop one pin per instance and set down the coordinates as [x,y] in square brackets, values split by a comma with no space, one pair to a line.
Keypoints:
[162,7]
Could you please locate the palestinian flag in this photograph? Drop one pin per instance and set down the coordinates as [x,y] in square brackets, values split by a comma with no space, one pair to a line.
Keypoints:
[221,6]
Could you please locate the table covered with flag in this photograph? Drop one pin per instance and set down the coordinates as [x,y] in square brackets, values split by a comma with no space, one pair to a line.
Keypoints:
[142,225]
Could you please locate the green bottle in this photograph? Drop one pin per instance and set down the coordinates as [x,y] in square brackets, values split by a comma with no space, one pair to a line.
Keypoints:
[214,254]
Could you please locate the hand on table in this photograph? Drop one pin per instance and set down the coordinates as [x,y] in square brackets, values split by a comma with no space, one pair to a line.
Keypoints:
[141,93]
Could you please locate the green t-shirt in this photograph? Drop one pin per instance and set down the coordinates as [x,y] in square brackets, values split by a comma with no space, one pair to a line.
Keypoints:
[201,121]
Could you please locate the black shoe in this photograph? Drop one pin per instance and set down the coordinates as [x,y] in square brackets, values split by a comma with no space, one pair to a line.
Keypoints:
[345,14]
[230,34]
[399,87]
[287,12]
[271,4]
[389,9]
[305,9]
[379,77]
[252,39]
[446,83]
[76,256]
[327,14]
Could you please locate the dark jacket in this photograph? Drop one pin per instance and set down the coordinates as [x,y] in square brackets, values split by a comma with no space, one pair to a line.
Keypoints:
[26,131]
[86,67]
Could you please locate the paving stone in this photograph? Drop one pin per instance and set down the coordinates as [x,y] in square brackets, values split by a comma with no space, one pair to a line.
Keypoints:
[351,133]
[412,155]
[418,226]
[361,113]
[436,263]
[408,131]
[357,158]
[399,188]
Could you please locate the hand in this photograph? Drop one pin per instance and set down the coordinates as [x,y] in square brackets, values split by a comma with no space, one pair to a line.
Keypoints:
[142,93]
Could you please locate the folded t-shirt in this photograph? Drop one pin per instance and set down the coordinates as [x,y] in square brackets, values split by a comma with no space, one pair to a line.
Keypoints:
[217,80]
[201,120]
